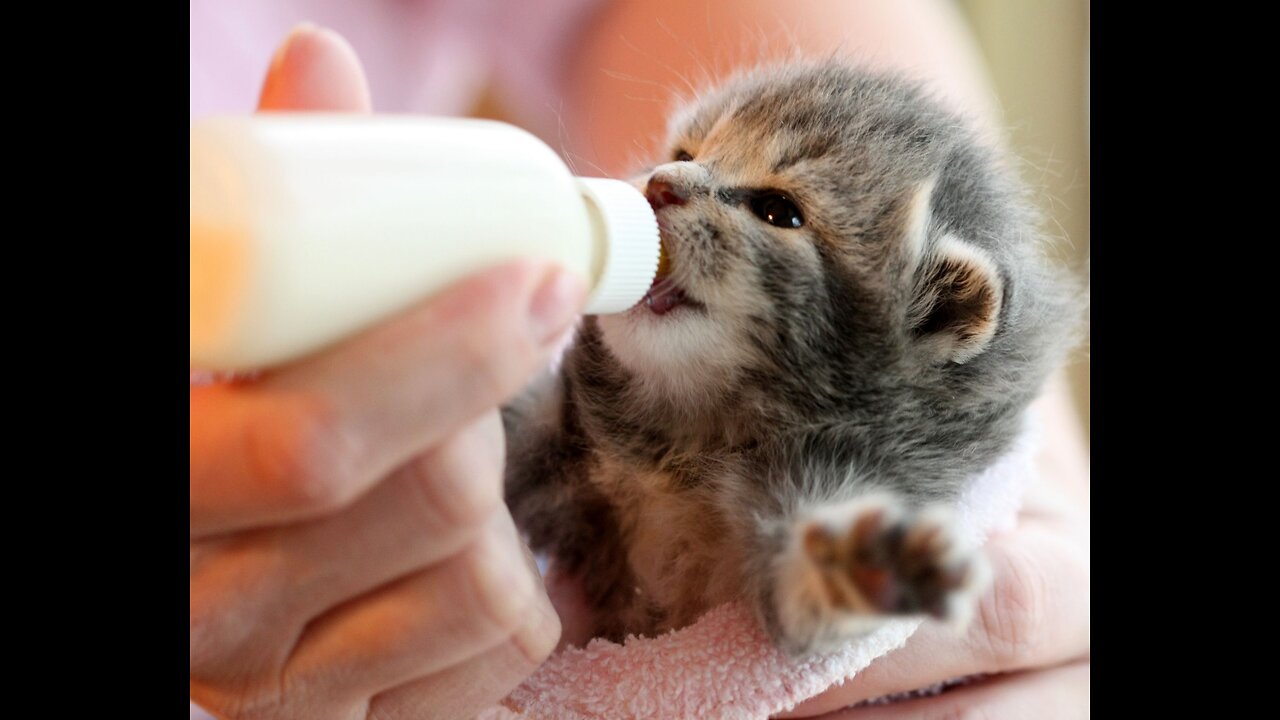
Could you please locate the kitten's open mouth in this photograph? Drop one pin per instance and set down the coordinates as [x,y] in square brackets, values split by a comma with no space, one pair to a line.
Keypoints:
[664,295]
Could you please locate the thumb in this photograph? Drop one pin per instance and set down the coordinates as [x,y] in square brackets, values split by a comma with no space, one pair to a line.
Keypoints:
[315,69]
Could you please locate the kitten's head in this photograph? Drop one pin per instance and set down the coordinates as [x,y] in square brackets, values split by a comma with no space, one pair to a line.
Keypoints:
[832,233]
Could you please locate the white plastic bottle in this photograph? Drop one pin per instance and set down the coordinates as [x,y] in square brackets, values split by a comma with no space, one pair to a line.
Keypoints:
[306,228]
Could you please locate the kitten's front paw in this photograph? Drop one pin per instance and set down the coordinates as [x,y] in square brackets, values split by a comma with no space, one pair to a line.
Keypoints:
[880,559]
[849,568]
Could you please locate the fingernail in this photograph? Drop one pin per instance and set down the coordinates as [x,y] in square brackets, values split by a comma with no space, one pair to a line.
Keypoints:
[539,637]
[298,30]
[315,69]
[304,26]
[556,305]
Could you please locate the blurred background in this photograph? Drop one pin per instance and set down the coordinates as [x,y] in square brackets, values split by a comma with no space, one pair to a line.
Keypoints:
[1038,56]
[506,60]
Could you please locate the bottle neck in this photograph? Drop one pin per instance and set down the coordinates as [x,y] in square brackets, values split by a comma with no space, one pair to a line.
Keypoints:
[625,240]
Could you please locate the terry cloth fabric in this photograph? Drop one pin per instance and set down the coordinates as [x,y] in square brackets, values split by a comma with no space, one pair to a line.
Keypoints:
[723,666]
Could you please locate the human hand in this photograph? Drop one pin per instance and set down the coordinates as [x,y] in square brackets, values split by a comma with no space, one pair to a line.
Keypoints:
[350,552]
[1030,635]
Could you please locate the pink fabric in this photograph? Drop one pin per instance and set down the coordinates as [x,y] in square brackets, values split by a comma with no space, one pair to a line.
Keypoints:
[723,666]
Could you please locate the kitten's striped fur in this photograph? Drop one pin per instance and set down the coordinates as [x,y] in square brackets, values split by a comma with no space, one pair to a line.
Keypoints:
[777,442]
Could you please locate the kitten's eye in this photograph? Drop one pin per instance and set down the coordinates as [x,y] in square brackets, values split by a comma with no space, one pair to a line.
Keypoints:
[683,156]
[776,209]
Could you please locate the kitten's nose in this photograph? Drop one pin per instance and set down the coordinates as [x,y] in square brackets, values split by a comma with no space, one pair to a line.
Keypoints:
[662,193]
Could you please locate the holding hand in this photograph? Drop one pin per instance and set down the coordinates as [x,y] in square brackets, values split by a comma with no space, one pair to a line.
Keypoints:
[350,552]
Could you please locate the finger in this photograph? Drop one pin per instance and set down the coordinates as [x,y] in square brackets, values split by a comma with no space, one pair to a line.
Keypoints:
[429,510]
[426,511]
[1057,693]
[466,689]
[425,623]
[306,440]
[1036,614]
[315,69]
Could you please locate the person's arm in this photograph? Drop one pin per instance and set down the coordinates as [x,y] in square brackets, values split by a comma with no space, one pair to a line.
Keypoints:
[631,59]
[637,53]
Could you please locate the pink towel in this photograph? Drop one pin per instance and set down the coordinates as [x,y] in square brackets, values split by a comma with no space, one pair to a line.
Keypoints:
[723,666]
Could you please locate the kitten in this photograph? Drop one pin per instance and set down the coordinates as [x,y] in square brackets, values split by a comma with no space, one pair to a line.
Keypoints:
[855,317]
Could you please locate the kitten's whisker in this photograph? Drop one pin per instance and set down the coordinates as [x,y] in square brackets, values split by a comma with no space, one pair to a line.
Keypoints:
[561,135]
[570,156]
[706,75]
[661,62]
[631,78]
[594,166]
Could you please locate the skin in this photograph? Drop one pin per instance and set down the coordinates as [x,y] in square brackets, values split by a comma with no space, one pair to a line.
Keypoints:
[334,524]
[350,553]
[1036,618]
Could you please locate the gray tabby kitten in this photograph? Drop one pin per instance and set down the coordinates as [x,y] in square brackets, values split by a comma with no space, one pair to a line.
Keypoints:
[855,317]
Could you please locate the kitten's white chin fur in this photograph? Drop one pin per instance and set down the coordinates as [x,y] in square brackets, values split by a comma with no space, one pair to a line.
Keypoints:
[688,355]
[683,354]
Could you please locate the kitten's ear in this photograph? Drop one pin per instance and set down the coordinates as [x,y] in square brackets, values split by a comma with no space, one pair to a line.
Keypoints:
[957,301]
